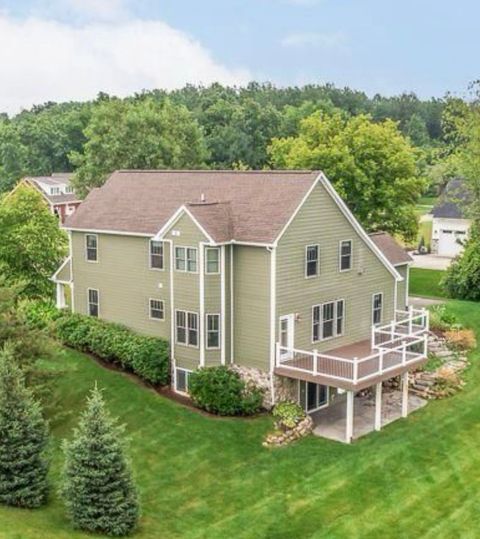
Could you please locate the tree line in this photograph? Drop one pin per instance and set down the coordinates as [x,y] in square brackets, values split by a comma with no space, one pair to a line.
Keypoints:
[380,152]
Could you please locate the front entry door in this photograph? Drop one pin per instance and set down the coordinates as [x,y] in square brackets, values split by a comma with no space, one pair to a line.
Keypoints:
[286,335]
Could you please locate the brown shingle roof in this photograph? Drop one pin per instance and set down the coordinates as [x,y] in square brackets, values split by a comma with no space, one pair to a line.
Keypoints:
[393,252]
[245,206]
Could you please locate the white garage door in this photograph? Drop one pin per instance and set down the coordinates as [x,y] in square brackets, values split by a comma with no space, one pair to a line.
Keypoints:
[447,242]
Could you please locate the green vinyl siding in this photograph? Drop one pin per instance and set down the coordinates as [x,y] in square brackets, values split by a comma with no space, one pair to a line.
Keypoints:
[251,278]
[321,222]
[186,286]
[124,281]
[402,297]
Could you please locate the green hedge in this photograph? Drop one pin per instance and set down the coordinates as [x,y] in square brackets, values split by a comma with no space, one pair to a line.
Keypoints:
[148,357]
[220,390]
[39,314]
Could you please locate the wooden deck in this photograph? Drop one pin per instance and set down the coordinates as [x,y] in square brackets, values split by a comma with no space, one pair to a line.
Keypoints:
[337,366]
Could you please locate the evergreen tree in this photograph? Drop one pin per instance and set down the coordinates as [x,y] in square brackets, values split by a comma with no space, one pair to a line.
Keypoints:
[98,488]
[23,439]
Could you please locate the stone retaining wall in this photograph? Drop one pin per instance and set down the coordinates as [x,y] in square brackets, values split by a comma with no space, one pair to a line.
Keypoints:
[279,438]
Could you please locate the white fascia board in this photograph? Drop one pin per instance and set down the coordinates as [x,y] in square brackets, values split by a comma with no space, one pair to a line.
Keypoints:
[113,232]
[357,226]
[298,208]
[178,213]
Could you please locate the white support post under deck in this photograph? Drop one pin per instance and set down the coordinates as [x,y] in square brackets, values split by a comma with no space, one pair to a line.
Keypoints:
[378,406]
[405,394]
[350,412]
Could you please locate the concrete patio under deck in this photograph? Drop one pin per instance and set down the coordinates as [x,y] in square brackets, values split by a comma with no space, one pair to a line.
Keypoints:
[330,422]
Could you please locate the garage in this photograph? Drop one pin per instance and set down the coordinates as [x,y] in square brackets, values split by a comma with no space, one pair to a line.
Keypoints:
[450,225]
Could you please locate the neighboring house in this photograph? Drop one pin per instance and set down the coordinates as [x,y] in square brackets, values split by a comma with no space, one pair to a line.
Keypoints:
[57,192]
[450,227]
[268,271]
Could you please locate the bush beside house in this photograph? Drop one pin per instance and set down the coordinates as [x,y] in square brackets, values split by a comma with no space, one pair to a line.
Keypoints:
[148,357]
[219,390]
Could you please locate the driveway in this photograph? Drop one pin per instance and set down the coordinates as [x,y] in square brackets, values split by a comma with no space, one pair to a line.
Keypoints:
[433,262]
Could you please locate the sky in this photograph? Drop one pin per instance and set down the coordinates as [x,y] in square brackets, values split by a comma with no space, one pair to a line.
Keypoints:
[57,50]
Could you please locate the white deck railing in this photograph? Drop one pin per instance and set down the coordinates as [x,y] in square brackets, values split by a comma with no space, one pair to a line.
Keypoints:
[399,344]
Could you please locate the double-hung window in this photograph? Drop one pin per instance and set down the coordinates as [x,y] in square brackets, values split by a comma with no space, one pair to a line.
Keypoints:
[311,261]
[156,255]
[328,320]
[186,328]
[213,331]
[186,259]
[91,247]
[345,255]
[377,307]
[157,309]
[93,302]
[212,260]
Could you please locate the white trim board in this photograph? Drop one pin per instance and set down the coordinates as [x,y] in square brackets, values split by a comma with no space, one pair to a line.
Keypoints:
[174,218]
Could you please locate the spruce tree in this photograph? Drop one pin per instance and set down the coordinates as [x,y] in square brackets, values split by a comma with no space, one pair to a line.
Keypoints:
[23,439]
[98,488]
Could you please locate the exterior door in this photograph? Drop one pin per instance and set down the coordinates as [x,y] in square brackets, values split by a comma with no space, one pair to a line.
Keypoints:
[286,335]
[312,396]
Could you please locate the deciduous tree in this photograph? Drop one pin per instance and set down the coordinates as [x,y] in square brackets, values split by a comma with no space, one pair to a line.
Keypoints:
[372,165]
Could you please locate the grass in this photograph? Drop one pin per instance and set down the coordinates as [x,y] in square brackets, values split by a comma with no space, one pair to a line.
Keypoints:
[203,477]
[426,283]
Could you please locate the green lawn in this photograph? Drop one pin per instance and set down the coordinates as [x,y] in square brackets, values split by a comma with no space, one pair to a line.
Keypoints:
[426,283]
[203,477]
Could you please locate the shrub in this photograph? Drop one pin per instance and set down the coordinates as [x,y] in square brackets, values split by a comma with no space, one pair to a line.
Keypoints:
[462,280]
[220,390]
[288,414]
[98,487]
[148,357]
[38,314]
[442,319]
[461,339]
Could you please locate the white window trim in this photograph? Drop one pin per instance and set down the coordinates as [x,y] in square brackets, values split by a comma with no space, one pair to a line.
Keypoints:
[319,407]
[186,329]
[373,309]
[340,256]
[335,319]
[150,255]
[185,248]
[88,301]
[175,385]
[206,260]
[150,310]
[86,249]
[318,260]
[219,347]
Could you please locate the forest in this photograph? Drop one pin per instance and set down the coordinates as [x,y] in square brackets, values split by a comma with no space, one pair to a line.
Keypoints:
[382,153]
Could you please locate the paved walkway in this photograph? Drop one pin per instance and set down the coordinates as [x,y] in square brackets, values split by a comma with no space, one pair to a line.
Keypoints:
[330,422]
[434,262]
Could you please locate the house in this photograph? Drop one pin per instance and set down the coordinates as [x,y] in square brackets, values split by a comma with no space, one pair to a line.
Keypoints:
[57,192]
[450,225]
[266,271]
